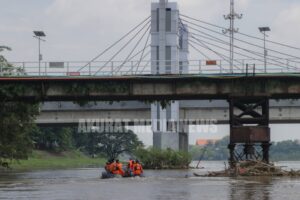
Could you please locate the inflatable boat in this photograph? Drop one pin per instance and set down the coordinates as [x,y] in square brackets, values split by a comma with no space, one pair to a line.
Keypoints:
[106,175]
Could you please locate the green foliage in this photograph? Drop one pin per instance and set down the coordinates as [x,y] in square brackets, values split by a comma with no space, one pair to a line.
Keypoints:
[111,143]
[163,159]
[55,139]
[16,123]
[16,120]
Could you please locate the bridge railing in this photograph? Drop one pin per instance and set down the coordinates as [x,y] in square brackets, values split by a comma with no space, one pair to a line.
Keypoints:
[119,68]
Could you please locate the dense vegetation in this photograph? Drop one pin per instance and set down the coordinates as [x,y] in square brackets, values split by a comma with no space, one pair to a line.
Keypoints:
[163,159]
[62,147]
[109,144]
[105,144]
[16,121]
[19,135]
[285,150]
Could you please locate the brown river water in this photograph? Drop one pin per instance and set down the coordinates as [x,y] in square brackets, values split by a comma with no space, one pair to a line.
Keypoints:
[157,185]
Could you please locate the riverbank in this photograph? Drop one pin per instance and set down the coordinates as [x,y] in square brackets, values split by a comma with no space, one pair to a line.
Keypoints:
[45,160]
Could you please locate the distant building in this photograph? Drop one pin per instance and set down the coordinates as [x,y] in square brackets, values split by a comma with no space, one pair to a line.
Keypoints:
[203,142]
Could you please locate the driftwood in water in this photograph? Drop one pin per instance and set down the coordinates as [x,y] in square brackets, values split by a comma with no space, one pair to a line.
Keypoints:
[253,168]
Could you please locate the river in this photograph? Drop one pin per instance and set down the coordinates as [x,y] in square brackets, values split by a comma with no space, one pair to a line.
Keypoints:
[85,184]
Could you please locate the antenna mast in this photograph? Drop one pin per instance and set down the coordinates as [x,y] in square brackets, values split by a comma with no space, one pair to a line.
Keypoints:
[232,16]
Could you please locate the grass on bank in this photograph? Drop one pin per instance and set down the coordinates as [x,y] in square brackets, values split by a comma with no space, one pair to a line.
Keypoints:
[46,160]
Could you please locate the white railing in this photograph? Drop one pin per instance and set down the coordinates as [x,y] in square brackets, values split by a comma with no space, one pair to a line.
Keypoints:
[119,68]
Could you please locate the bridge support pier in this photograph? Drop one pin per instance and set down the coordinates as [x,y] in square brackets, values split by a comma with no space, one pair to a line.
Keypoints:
[173,140]
[249,129]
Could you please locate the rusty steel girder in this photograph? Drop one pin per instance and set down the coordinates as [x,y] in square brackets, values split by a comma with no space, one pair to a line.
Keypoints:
[249,129]
[250,134]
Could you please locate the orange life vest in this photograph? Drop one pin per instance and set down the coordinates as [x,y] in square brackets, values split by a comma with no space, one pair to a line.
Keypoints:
[112,167]
[118,169]
[131,165]
[138,169]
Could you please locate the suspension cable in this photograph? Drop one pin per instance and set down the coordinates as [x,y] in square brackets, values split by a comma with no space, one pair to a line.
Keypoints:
[146,44]
[278,52]
[244,34]
[249,51]
[114,44]
[123,47]
[199,51]
[217,53]
[289,67]
[134,48]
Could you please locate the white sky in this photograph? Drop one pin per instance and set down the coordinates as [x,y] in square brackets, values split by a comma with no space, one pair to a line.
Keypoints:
[77,30]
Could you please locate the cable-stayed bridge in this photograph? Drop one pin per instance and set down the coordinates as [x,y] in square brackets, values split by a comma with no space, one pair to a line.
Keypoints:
[172,56]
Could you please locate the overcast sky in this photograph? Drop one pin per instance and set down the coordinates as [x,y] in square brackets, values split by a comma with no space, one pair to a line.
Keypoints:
[77,30]
[80,29]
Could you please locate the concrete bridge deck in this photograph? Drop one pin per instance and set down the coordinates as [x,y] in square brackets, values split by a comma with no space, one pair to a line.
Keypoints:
[151,88]
[61,113]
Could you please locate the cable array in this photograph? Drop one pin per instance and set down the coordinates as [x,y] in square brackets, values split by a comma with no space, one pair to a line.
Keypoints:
[205,38]
[135,37]
[209,37]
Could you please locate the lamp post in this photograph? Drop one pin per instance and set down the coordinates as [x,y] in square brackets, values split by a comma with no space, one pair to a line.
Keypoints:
[263,30]
[38,35]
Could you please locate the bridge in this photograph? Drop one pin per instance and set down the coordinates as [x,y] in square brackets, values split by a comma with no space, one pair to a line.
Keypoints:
[69,113]
[154,87]
[247,83]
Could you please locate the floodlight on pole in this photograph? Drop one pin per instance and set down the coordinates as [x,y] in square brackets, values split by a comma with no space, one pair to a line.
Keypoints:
[38,35]
[232,30]
[263,30]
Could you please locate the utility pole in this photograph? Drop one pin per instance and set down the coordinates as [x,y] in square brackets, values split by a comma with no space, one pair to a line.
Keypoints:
[232,16]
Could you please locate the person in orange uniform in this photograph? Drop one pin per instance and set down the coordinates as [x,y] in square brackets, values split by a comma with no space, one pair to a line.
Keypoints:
[131,163]
[138,169]
[111,167]
[118,168]
[130,168]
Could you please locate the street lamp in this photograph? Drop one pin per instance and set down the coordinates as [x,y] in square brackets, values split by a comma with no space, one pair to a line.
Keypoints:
[263,30]
[38,35]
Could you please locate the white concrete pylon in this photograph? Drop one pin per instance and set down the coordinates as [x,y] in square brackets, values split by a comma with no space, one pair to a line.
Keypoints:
[169,55]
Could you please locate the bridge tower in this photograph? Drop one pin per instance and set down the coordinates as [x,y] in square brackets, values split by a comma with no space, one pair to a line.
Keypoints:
[169,55]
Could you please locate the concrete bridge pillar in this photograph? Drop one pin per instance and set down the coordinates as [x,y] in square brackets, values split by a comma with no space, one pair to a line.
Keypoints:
[169,55]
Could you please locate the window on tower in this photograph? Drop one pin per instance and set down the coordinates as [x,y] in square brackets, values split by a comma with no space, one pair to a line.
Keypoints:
[168,19]
[168,59]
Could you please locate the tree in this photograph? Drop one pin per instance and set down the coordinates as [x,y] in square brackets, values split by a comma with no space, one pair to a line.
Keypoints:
[56,139]
[113,143]
[16,119]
